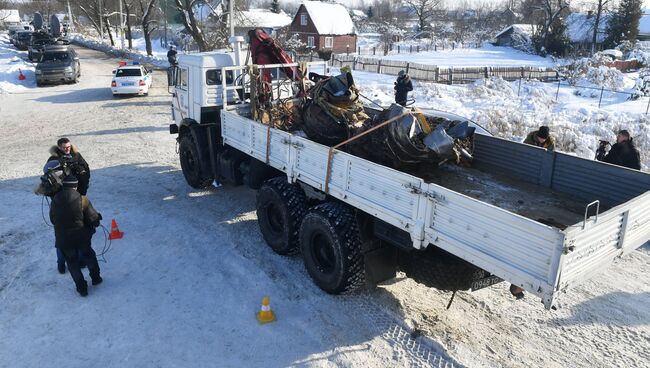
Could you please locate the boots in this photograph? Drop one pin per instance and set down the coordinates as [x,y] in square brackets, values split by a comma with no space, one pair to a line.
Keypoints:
[82,288]
[61,267]
[97,280]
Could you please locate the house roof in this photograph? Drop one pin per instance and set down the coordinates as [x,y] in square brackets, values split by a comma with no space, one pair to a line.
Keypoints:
[580,27]
[262,18]
[9,16]
[329,18]
[524,29]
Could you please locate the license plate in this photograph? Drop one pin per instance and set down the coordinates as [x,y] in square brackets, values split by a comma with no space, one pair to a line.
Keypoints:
[485,282]
[128,84]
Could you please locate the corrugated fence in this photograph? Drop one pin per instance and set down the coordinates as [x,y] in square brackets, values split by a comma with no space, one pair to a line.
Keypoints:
[448,75]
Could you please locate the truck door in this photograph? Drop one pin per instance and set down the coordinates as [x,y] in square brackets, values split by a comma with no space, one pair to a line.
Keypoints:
[181,98]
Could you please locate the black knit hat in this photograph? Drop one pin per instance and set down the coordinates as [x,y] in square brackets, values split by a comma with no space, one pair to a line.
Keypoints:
[543,132]
[70,181]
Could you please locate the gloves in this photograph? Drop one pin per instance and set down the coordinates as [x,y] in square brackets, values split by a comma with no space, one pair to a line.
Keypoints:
[99,215]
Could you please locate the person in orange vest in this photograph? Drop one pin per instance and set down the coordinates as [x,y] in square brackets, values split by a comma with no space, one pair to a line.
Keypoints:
[541,138]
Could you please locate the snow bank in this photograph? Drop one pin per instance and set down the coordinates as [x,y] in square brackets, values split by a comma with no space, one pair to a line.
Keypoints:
[511,111]
[159,59]
[11,62]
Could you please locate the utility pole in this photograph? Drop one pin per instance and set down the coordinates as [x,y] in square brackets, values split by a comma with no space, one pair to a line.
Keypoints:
[165,22]
[121,25]
[70,22]
[100,11]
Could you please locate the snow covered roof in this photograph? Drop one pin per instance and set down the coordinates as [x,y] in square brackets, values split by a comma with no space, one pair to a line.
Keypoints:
[262,18]
[580,27]
[9,16]
[329,18]
[358,13]
[524,29]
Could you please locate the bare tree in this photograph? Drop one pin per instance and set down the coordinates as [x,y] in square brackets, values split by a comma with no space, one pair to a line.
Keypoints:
[552,9]
[148,22]
[128,6]
[424,10]
[600,8]
[186,8]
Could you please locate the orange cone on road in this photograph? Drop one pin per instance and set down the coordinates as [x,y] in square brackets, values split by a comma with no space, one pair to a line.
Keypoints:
[115,232]
[21,76]
[265,315]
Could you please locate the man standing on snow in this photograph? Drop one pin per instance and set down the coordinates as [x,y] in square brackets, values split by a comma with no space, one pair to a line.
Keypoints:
[171,56]
[541,138]
[75,220]
[403,86]
[623,152]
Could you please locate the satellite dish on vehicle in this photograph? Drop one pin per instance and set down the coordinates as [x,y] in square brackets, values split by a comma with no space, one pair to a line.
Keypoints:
[38,21]
[55,26]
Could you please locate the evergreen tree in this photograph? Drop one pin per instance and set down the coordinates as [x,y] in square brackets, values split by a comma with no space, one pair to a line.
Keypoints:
[624,23]
[275,6]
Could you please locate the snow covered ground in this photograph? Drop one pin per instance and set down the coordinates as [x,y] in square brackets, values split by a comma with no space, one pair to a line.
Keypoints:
[181,288]
[11,63]
[510,111]
[487,55]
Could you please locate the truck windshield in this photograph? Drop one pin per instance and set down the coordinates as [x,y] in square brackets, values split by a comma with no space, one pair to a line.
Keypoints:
[56,56]
[213,76]
[128,73]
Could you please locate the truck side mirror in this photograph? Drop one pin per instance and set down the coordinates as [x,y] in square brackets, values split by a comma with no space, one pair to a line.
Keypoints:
[172,72]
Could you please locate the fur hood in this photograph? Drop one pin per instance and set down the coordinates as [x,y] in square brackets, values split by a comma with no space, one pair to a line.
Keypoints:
[56,152]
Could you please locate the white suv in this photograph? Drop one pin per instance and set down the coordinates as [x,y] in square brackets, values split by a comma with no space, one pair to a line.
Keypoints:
[131,78]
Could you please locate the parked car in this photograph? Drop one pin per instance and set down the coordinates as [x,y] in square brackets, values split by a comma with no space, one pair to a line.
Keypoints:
[131,78]
[59,63]
[22,40]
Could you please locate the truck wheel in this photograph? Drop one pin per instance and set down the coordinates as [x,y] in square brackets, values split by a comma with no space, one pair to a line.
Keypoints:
[190,163]
[280,209]
[439,269]
[331,248]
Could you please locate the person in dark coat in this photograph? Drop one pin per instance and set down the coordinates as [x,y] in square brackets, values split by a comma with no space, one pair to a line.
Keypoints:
[64,151]
[76,165]
[541,138]
[75,220]
[403,86]
[171,56]
[623,152]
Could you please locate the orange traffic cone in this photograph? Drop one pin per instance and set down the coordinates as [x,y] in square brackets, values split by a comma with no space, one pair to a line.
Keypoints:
[115,232]
[21,76]
[265,315]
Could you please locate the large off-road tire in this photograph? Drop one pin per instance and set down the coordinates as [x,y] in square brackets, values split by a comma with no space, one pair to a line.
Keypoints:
[191,163]
[281,207]
[331,248]
[439,269]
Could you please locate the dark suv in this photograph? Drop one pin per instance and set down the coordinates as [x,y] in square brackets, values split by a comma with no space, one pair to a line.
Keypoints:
[22,40]
[58,64]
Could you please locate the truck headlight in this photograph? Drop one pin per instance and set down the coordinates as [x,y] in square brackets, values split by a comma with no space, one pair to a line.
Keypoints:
[68,69]
[38,72]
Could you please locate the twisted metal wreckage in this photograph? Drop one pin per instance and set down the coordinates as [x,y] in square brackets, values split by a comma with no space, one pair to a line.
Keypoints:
[327,110]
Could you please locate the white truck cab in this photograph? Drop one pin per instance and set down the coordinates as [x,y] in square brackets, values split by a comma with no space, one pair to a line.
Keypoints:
[195,83]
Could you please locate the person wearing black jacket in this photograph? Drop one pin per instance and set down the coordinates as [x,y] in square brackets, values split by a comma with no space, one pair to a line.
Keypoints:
[171,56]
[403,86]
[623,152]
[64,151]
[75,220]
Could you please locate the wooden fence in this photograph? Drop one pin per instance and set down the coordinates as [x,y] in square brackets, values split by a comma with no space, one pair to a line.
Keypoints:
[433,73]
[625,66]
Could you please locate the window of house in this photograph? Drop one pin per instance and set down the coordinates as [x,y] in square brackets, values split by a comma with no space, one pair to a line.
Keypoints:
[310,41]
[329,42]
[303,19]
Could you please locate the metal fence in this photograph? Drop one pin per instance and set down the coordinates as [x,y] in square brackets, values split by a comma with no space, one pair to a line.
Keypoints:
[447,75]
[401,48]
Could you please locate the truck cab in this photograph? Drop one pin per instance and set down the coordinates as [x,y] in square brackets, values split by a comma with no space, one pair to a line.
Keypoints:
[195,83]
